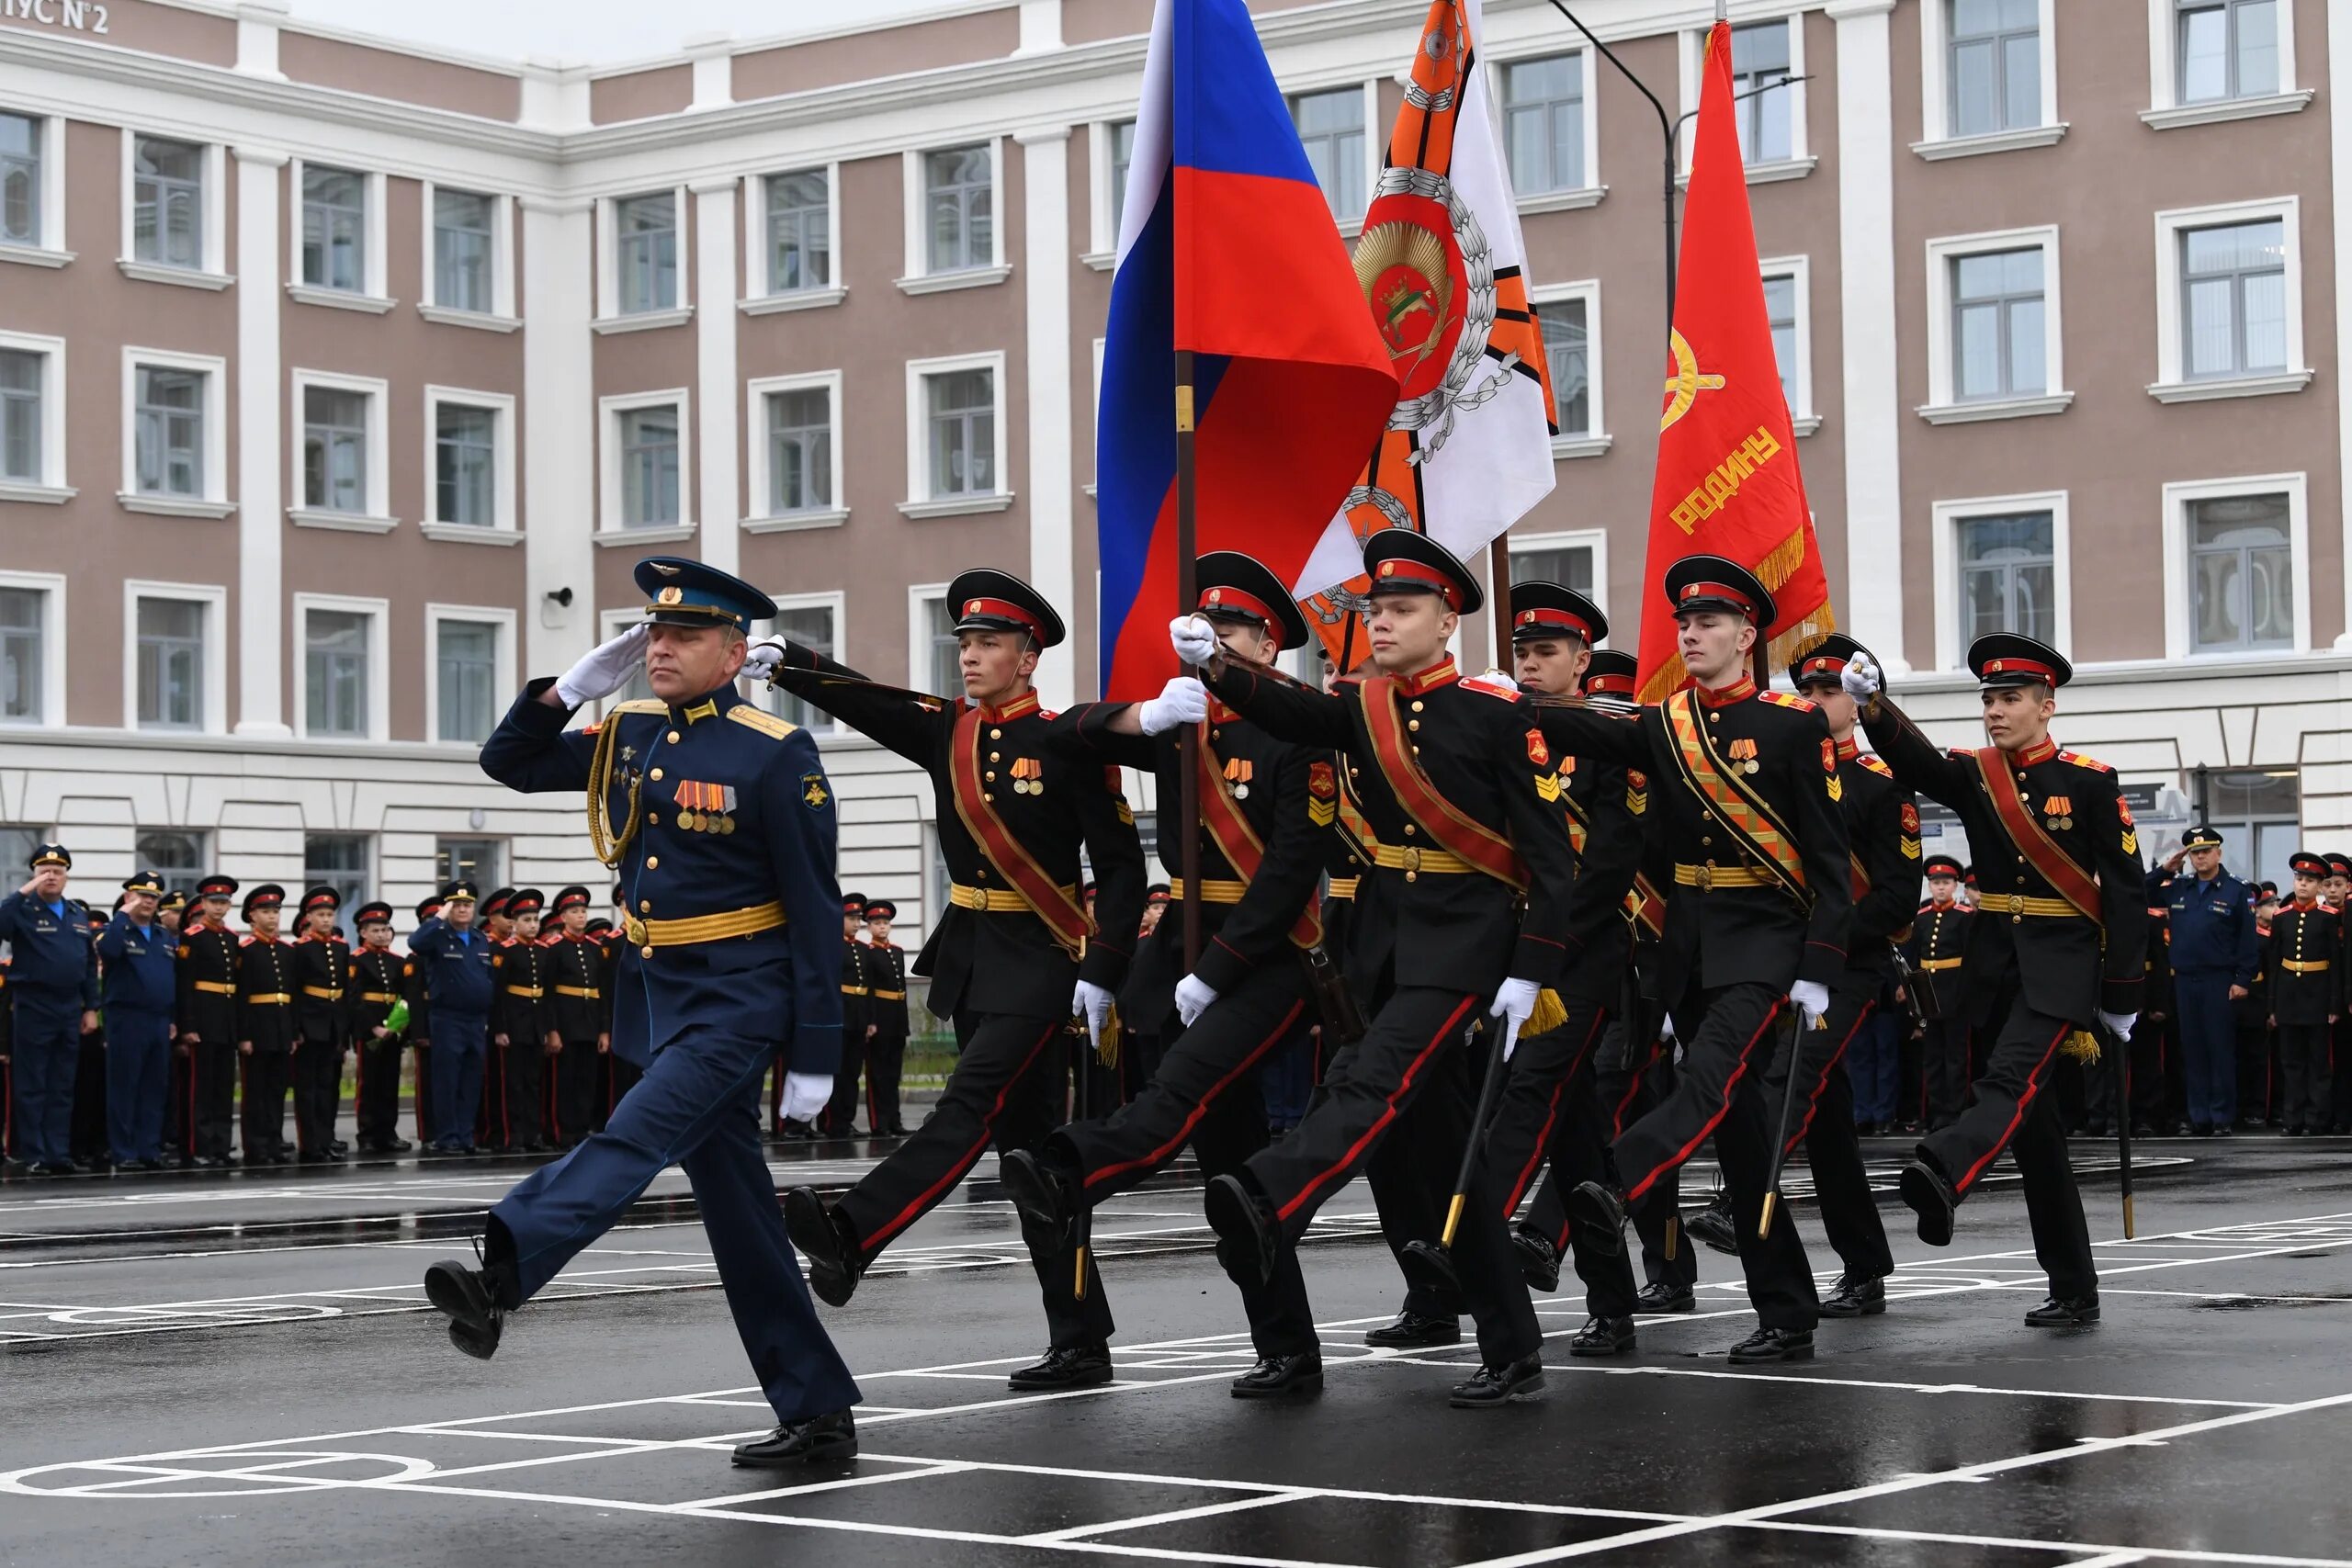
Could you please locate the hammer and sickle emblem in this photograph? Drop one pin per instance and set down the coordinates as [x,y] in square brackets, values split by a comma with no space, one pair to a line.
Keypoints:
[1685,385]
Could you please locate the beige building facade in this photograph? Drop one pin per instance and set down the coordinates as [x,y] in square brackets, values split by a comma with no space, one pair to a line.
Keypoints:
[342,381]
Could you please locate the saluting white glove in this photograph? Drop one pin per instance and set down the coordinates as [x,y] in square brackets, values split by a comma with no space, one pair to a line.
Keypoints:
[764,658]
[804,1094]
[2120,1023]
[606,669]
[1194,995]
[1514,1004]
[1811,999]
[1861,678]
[1183,701]
[1093,1003]
[1193,638]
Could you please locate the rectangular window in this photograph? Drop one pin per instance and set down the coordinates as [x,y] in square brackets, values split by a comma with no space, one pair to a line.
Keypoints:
[465,671]
[2233,299]
[335,449]
[2240,574]
[1997,329]
[475,861]
[167,203]
[1567,345]
[650,493]
[1780,310]
[960,408]
[171,664]
[1544,123]
[959,209]
[944,670]
[1330,126]
[20,180]
[464,249]
[338,860]
[2008,577]
[800,451]
[335,230]
[1570,566]
[801,237]
[465,465]
[810,625]
[2226,48]
[1760,60]
[334,669]
[16,846]
[23,617]
[1994,59]
[21,415]
[179,860]
[169,419]
[647,267]
[1123,152]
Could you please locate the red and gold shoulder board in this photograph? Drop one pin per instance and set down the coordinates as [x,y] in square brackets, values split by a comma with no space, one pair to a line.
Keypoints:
[1876,763]
[1492,688]
[1787,700]
[2082,761]
[1537,752]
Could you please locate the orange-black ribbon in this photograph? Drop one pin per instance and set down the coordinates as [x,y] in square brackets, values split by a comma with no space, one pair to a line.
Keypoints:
[1458,835]
[1237,840]
[2033,842]
[1736,808]
[1046,898]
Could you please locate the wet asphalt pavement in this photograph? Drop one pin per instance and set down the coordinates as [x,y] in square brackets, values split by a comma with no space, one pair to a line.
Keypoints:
[204,1369]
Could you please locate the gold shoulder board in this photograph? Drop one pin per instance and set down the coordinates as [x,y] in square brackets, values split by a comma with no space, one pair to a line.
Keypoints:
[766,723]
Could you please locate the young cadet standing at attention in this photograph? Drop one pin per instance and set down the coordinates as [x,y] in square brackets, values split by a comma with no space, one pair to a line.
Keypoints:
[839,1119]
[886,1021]
[320,967]
[266,1025]
[139,959]
[575,1016]
[518,1029]
[1935,1071]
[2304,962]
[207,1023]
[375,987]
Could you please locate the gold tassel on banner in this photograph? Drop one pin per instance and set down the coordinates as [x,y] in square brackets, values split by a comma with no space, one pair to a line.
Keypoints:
[2081,1046]
[1550,1012]
[1107,1050]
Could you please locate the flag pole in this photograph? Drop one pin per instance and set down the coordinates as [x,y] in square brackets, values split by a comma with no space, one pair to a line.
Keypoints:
[1188,740]
[1498,596]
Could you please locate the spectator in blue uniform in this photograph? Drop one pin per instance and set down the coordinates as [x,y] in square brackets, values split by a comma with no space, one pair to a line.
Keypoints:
[53,995]
[141,988]
[2215,954]
[459,968]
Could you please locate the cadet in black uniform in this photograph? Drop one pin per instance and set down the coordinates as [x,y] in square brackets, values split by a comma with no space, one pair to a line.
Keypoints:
[207,981]
[2056,941]
[374,989]
[1935,1073]
[2304,960]
[415,984]
[319,964]
[886,1021]
[265,1026]
[519,1029]
[1014,955]
[577,1031]
[839,1119]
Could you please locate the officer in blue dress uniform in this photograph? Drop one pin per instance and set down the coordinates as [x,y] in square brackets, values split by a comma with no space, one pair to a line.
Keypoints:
[719,819]
[2215,954]
[460,964]
[141,986]
[54,993]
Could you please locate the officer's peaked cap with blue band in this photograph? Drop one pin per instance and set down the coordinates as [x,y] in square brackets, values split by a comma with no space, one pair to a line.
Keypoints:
[681,593]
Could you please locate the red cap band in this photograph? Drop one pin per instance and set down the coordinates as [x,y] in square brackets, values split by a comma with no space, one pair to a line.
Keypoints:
[1610,686]
[1406,573]
[1005,610]
[1820,664]
[1557,620]
[1720,591]
[2040,671]
[1232,601]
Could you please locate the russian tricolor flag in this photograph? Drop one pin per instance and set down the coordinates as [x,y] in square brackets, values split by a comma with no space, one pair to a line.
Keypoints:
[1226,248]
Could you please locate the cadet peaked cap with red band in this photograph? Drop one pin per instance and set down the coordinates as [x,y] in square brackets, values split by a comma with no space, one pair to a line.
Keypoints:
[852,903]
[215,887]
[574,897]
[377,914]
[1941,866]
[1542,610]
[881,909]
[2007,658]
[1713,582]
[269,895]
[1236,587]
[1401,561]
[526,901]
[2302,862]
[320,897]
[1826,662]
[987,600]
[2339,865]
[496,903]
[1610,674]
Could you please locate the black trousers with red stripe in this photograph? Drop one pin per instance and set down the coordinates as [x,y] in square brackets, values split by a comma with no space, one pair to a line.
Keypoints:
[1205,1093]
[376,1097]
[213,1098]
[2014,1109]
[1727,1044]
[1396,1104]
[1001,1092]
[1824,1124]
[1551,1110]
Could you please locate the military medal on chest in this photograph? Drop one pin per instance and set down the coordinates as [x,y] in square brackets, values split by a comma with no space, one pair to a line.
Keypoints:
[2060,810]
[706,807]
[1028,776]
[1238,771]
[1742,753]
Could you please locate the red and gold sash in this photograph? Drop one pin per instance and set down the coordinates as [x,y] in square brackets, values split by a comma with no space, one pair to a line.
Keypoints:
[1644,905]
[2033,842]
[1739,808]
[1861,876]
[1392,749]
[1238,842]
[1047,900]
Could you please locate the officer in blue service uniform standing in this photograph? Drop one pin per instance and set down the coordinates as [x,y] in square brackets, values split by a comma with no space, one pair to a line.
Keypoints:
[720,820]
[53,991]
[141,988]
[2215,952]
[460,967]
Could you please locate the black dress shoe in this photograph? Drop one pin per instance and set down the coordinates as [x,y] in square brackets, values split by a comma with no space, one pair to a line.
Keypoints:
[2292,1131]
[1492,1387]
[1665,1298]
[396,1147]
[1247,1238]
[1279,1377]
[1713,1226]
[55,1168]
[1857,1295]
[809,1441]
[1539,1262]
[2144,1129]
[1414,1330]
[1042,1192]
[207,1162]
[1931,1198]
[1602,1337]
[2063,1312]
[1600,1210]
[475,1302]
[1773,1345]
[1071,1366]
[835,1261]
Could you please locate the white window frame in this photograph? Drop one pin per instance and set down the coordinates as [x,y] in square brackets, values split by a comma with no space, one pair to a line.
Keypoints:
[502,660]
[2167,112]
[757,300]
[2179,639]
[609,318]
[918,596]
[48,249]
[755,408]
[611,623]
[920,502]
[1691,54]
[1946,517]
[1376,137]
[378,518]
[2169,387]
[1942,407]
[53,646]
[501,317]
[1094,423]
[380,684]
[834,600]
[505,525]
[1103,221]
[49,487]
[214,598]
[919,278]
[214,502]
[1805,417]
[1598,440]
[213,275]
[1936,140]
[609,530]
[1593,540]
[1589,193]
[373,295]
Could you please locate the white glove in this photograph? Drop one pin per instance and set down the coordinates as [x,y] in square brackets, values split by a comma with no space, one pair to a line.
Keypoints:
[1183,701]
[1811,999]
[1665,1028]
[764,658]
[1093,1003]
[1495,677]
[606,669]
[1514,1004]
[1194,995]
[2118,1023]
[804,1094]
[1193,638]
[1861,678]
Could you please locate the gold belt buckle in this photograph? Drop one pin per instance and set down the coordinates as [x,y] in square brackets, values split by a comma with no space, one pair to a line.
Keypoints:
[1413,857]
[2017,904]
[635,928]
[1705,878]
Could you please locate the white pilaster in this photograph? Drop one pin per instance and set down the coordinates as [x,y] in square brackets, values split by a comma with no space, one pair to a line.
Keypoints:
[257,25]
[713,55]
[261,587]
[1874,607]
[1041,27]
[1045,266]
[2339,140]
[558,434]
[716,253]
